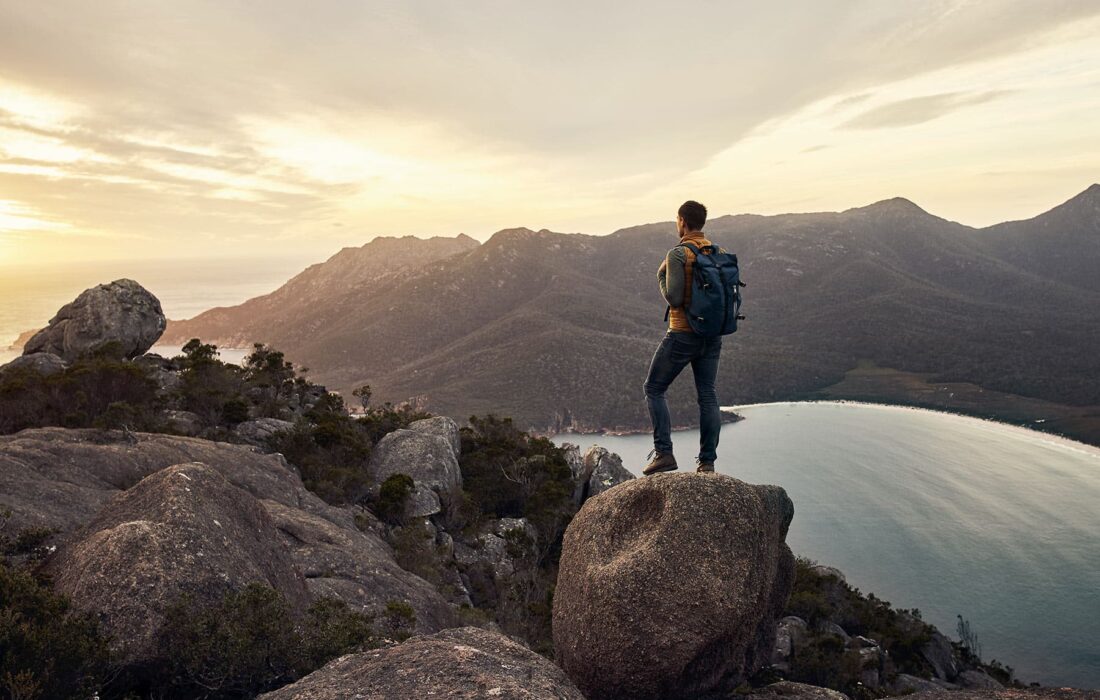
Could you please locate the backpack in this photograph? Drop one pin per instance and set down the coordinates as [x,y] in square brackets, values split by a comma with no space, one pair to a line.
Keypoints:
[716,284]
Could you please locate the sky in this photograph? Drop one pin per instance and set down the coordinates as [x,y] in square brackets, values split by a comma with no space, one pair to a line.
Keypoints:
[192,129]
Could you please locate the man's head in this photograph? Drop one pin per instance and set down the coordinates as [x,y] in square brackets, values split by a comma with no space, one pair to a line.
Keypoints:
[691,217]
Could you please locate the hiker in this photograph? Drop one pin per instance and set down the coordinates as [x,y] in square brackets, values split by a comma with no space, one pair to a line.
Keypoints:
[682,346]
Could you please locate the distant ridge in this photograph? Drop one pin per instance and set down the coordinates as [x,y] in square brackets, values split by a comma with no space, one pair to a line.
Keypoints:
[558,329]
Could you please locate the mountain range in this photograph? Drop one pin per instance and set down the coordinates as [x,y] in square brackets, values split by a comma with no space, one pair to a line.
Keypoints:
[557,329]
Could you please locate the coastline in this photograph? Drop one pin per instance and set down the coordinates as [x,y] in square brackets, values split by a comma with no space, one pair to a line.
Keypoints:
[734,410]
[728,416]
[1030,426]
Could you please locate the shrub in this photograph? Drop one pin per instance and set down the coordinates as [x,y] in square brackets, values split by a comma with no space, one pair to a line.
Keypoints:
[378,422]
[246,644]
[414,550]
[95,391]
[47,650]
[331,451]
[250,642]
[393,497]
[399,619]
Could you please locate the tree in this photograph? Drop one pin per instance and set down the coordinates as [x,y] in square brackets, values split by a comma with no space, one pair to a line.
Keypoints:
[363,393]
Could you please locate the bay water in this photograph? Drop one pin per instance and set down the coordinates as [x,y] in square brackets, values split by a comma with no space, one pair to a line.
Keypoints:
[945,513]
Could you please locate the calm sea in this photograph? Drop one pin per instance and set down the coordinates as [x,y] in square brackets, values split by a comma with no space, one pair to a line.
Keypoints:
[31,295]
[948,514]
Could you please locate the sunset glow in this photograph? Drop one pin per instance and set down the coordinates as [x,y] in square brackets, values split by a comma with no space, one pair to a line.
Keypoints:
[208,127]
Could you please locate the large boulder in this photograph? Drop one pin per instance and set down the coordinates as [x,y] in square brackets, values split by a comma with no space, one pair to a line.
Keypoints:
[121,311]
[443,426]
[182,530]
[670,586]
[905,683]
[459,663]
[428,458]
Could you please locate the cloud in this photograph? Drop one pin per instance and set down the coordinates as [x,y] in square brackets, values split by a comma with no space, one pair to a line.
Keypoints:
[917,110]
[226,120]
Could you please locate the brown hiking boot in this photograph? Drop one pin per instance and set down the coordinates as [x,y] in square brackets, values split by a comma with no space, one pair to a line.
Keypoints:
[705,467]
[662,462]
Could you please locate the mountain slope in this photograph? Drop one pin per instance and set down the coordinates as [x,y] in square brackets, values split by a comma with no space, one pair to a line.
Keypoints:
[315,297]
[559,328]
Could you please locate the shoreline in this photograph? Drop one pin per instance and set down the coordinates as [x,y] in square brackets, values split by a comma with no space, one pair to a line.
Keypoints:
[733,410]
[728,416]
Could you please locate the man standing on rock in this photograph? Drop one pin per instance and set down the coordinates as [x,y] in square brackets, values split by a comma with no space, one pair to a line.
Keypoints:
[680,347]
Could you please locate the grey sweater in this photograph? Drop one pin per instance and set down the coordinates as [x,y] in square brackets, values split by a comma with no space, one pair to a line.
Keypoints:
[670,276]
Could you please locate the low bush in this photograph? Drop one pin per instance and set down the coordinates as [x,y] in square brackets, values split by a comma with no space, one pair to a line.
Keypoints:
[47,650]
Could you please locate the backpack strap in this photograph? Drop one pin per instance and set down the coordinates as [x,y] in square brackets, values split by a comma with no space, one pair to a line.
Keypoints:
[698,251]
[689,246]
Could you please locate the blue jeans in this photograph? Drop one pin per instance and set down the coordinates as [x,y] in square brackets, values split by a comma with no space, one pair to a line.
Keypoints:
[677,350]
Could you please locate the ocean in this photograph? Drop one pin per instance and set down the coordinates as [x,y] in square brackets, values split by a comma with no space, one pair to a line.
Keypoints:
[949,514]
[31,294]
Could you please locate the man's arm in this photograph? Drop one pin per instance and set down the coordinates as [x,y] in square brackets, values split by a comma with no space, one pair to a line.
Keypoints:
[672,281]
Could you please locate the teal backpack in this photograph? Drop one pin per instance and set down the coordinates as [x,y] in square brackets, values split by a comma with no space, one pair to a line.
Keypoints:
[715,306]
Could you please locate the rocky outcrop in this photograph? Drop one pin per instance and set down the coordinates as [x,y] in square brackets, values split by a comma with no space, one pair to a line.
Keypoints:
[789,634]
[939,653]
[183,422]
[259,430]
[594,472]
[670,586]
[60,478]
[906,683]
[182,530]
[604,469]
[121,311]
[428,458]
[789,690]
[443,426]
[44,363]
[428,453]
[356,567]
[975,678]
[457,663]
[1007,694]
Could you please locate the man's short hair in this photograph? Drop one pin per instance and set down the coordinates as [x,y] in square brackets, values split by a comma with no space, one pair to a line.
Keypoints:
[694,215]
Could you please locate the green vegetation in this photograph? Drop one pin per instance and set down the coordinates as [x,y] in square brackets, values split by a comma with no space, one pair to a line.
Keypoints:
[415,552]
[399,620]
[47,650]
[510,474]
[393,497]
[250,642]
[331,451]
[97,391]
[507,473]
[823,659]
